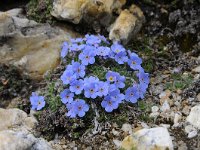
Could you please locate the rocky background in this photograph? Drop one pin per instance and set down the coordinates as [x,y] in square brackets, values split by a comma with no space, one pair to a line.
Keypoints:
[166,34]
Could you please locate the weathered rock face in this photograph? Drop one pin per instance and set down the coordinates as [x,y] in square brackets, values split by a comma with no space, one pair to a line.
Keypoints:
[34,47]
[99,13]
[88,10]
[17,119]
[15,127]
[154,139]
[127,25]
[193,117]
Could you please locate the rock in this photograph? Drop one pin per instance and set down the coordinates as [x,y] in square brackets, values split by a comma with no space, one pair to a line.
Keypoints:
[11,140]
[15,127]
[88,10]
[198,97]
[177,118]
[16,119]
[127,128]
[154,110]
[33,47]
[154,139]
[70,10]
[197,69]
[193,117]
[165,107]
[117,143]
[127,25]
[192,134]
[189,128]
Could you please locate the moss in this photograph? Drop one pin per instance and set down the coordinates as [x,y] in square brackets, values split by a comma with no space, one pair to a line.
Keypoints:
[40,10]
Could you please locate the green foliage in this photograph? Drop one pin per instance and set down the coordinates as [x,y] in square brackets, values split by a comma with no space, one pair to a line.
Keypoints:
[40,10]
[179,82]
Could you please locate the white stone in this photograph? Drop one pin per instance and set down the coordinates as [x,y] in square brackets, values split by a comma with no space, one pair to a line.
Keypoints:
[11,140]
[154,109]
[189,128]
[127,25]
[177,118]
[16,119]
[117,143]
[145,139]
[197,69]
[127,128]
[165,107]
[192,134]
[194,116]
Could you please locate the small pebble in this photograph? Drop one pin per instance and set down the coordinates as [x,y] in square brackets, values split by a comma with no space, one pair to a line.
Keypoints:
[192,134]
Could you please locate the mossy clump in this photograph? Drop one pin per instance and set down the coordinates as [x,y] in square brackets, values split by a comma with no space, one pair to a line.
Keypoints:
[40,10]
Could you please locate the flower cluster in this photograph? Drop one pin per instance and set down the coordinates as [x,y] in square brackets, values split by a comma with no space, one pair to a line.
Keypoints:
[110,91]
[80,88]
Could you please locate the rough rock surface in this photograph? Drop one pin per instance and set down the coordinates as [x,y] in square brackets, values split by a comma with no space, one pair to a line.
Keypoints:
[154,139]
[76,10]
[34,47]
[15,127]
[193,117]
[127,25]
[16,119]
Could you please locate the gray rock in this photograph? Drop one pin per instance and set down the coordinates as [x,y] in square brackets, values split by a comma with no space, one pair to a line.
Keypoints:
[194,118]
[15,127]
[34,48]
[153,138]
[16,119]
[11,140]
[127,25]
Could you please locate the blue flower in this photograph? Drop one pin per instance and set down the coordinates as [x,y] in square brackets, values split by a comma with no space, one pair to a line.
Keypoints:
[141,90]
[76,86]
[75,47]
[103,88]
[72,112]
[77,107]
[116,48]
[68,77]
[77,41]
[78,69]
[109,104]
[65,49]
[119,82]
[87,56]
[92,40]
[103,51]
[90,91]
[103,39]
[121,57]
[37,101]
[131,94]
[111,76]
[135,62]
[66,96]
[81,107]
[143,77]
[90,79]
[116,96]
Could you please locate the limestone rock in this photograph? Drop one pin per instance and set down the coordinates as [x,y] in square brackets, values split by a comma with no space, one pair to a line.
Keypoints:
[154,139]
[33,47]
[197,69]
[16,119]
[70,10]
[88,10]
[127,25]
[15,131]
[193,117]
[11,140]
